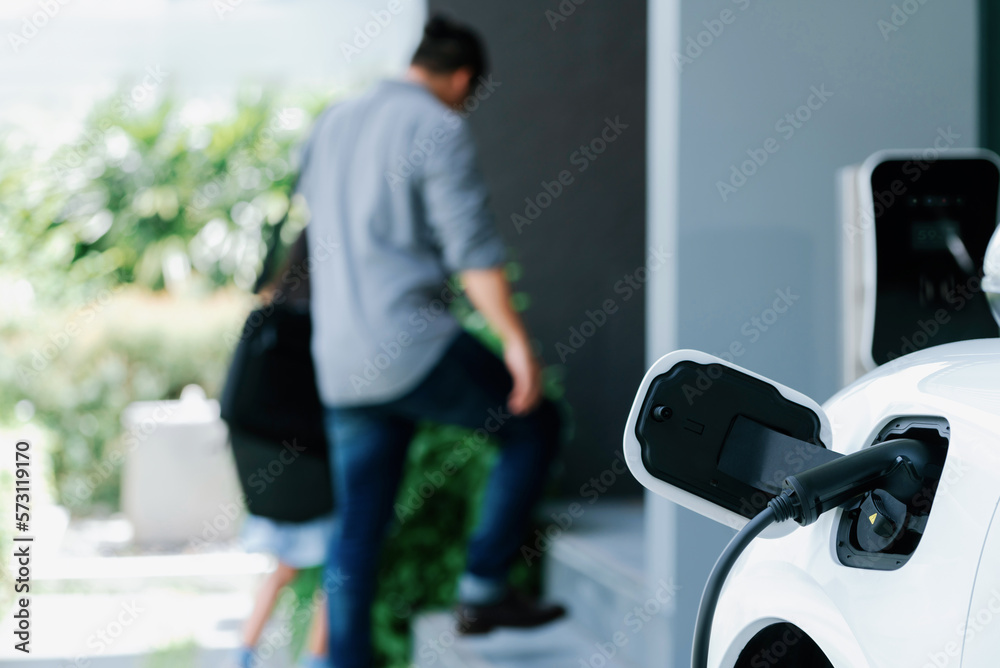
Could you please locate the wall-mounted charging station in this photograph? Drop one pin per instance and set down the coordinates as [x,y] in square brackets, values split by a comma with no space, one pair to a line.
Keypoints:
[914,230]
[755,455]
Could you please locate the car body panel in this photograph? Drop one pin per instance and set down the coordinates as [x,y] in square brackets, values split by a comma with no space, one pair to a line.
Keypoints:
[906,617]
[982,629]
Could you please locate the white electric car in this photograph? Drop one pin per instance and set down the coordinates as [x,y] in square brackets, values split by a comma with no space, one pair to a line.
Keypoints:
[888,555]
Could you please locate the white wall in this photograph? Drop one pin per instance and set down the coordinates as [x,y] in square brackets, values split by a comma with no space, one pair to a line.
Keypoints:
[777,231]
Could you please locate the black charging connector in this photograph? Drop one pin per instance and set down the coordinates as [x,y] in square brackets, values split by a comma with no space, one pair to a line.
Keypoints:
[897,466]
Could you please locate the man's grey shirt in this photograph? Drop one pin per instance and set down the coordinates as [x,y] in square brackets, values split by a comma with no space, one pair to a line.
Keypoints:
[397,204]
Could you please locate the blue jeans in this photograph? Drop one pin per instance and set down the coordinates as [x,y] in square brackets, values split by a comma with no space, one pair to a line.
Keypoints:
[468,387]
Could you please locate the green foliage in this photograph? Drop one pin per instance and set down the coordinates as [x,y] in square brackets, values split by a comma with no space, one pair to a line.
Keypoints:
[298,603]
[142,197]
[419,570]
[126,260]
[126,345]
[144,200]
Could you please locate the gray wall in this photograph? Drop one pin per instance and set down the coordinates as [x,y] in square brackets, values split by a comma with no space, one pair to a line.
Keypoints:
[778,230]
[557,87]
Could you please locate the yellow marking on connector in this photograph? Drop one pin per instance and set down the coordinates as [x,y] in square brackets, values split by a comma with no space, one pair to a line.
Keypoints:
[871,518]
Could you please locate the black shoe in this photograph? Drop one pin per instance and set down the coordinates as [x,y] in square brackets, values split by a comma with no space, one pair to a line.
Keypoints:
[513,611]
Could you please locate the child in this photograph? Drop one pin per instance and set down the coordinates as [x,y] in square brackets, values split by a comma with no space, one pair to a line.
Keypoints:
[297,545]
[270,400]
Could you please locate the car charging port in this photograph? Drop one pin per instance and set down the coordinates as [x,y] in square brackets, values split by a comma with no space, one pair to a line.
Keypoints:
[881,521]
[900,465]
[881,530]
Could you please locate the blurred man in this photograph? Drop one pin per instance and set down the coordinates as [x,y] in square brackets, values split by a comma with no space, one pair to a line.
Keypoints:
[397,206]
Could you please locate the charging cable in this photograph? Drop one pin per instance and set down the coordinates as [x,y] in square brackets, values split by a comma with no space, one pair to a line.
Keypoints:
[898,464]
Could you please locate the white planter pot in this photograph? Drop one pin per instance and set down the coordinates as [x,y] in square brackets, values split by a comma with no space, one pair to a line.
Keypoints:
[179,482]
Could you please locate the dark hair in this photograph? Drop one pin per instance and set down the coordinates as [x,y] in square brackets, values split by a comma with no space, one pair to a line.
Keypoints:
[448,46]
[291,280]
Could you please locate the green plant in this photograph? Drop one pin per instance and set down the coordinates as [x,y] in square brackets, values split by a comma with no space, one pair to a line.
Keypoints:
[131,253]
[137,346]
[142,201]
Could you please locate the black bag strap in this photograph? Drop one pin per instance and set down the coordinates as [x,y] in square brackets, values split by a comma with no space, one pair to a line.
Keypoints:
[273,241]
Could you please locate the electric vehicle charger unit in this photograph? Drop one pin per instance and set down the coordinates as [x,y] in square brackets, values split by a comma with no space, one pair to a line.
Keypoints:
[879,507]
